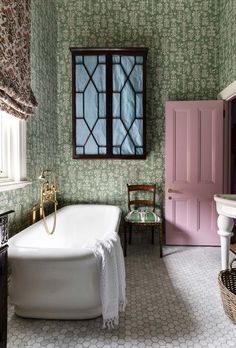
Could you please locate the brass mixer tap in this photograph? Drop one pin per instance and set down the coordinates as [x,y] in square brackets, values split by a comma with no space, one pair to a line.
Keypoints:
[48,194]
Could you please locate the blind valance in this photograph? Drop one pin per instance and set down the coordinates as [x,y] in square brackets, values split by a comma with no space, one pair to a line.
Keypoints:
[16,96]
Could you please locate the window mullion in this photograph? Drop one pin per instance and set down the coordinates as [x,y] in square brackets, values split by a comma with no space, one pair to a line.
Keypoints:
[109,103]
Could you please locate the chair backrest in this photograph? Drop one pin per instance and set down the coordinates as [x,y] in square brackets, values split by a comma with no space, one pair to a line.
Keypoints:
[141,202]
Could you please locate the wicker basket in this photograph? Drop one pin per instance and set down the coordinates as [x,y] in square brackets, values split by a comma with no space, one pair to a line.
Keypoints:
[227,284]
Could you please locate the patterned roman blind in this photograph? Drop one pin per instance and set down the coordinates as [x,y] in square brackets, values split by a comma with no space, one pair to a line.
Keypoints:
[16,96]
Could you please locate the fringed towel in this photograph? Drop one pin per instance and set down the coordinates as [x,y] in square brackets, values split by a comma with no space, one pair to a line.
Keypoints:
[110,259]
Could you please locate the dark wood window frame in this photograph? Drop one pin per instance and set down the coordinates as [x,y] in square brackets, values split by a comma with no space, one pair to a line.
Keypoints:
[108,52]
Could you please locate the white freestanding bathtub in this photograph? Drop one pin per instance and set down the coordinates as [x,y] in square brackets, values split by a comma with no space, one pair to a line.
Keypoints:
[56,276]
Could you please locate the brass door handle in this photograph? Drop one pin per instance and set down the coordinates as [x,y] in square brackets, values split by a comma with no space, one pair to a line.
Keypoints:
[171,191]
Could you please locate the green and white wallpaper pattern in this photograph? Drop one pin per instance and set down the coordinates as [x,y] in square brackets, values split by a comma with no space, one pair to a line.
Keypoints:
[187,59]
[182,63]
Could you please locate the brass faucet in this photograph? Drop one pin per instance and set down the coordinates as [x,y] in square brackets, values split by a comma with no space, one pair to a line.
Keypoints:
[49,190]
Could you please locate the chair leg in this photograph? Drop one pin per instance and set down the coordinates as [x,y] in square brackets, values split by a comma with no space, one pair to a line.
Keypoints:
[160,239]
[130,234]
[152,235]
[125,241]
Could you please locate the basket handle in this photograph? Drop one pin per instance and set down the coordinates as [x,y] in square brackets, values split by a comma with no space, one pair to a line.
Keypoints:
[231,264]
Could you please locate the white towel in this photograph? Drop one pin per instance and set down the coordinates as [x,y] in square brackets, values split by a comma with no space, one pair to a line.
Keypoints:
[110,259]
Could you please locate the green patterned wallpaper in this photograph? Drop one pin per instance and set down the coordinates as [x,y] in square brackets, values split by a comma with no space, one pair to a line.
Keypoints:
[41,129]
[227,42]
[187,40]
[182,63]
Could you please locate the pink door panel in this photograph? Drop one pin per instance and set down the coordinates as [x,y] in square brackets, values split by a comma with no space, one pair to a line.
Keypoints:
[194,171]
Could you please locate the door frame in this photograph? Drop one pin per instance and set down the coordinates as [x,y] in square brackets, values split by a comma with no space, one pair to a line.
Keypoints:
[228,94]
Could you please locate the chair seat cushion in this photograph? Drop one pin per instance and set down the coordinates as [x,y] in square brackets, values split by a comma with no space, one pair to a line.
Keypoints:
[141,216]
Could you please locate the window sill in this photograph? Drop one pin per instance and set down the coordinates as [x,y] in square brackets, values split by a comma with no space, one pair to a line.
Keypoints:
[13,185]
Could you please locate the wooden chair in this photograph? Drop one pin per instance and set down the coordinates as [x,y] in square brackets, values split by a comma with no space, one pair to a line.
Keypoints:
[136,190]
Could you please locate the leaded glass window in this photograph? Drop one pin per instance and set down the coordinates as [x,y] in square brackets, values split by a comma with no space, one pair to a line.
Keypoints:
[109,103]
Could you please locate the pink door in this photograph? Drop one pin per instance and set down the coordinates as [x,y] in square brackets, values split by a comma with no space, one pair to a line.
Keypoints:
[194,171]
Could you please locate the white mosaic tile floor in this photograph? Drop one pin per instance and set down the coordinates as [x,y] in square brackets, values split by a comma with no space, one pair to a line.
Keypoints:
[172,302]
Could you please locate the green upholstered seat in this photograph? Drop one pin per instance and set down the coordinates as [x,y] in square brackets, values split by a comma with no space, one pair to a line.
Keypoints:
[142,216]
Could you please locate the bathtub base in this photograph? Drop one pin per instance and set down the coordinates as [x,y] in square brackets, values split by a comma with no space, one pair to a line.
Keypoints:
[57,314]
[57,276]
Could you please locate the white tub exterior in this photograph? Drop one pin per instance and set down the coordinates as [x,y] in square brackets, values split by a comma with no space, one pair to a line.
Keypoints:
[56,276]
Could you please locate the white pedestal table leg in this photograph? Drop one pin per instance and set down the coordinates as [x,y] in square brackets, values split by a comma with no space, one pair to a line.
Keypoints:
[225,225]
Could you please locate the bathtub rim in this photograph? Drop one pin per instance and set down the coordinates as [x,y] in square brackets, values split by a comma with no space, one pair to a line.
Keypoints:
[16,252]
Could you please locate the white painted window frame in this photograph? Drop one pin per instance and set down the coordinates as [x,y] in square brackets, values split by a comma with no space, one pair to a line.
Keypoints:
[12,152]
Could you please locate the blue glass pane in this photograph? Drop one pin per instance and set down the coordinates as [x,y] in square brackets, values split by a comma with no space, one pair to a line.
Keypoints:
[102,150]
[139,105]
[79,150]
[79,59]
[139,59]
[102,104]
[127,63]
[119,78]
[91,147]
[136,132]
[127,105]
[99,132]
[90,105]
[116,151]
[119,132]
[116,105]
[102,59]
[79,105]
[127,147]
[99,77]
[82,132]
[136,78]
[139,151]
[116,59]
[90,62]
[81,78]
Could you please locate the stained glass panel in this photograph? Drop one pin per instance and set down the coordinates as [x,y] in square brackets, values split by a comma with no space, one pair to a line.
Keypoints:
[119,78]
[136,78]
[136,132]
[99,78]
[115,59]
[82,78]
[90,62]
[127,63]
[82,132]
[79,150]
[102,105]
[91,146]
[127,105]
[139,105]
[79,59]
[116,104]
[99,132]
[127,147]
[90,103]
[102,59]
[127,108]
[79,105]
[139,59]
[119,132]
